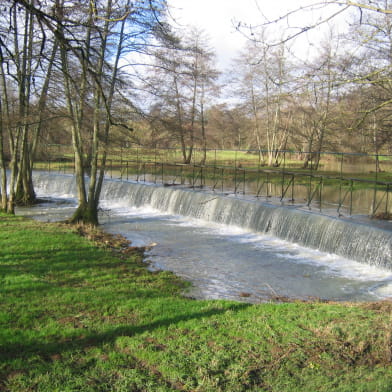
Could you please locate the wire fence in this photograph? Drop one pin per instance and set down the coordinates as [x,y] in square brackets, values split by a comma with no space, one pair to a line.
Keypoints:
[345,183]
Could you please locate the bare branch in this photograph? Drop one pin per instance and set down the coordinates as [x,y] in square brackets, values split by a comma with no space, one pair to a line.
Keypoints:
[368,7]
[300,30]
[345,5]
[96,16]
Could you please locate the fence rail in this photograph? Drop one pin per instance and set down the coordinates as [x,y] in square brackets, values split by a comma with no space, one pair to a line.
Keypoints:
[343,191]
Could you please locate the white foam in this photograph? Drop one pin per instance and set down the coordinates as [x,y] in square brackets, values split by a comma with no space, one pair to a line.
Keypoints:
[56,195]
[382,291]
[330,263]
[333,264]
[122,210]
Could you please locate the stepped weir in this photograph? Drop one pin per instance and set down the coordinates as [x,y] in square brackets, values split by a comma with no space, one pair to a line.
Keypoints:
[357,241]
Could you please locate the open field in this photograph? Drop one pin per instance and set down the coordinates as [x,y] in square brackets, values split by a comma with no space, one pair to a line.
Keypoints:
[76,316]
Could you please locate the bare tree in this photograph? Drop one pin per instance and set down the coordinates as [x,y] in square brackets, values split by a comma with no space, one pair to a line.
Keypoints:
[27,56]
[109,30]
[264,83]
[373,79]
[365,68]
[92,37]
[313,14]
[320,93]
[183,77]
[228,127]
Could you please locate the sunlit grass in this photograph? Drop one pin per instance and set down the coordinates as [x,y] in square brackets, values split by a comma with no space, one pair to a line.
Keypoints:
[74,317]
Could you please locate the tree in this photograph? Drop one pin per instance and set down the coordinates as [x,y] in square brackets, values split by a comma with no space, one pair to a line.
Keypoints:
[228,127]
[365,68]
[109,30]
[264,83]
[27,56]
[374,76]
[319,87]
[184,75]
[93,37]
[313,14]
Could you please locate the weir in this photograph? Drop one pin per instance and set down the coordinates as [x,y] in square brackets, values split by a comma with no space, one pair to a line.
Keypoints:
[357,241]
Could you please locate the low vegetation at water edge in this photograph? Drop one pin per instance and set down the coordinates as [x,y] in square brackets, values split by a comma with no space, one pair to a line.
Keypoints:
[83,313]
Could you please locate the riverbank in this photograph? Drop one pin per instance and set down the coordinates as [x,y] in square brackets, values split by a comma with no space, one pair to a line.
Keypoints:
[83,313]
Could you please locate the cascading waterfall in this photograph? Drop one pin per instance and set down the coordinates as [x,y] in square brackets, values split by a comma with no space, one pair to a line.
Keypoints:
[356,241]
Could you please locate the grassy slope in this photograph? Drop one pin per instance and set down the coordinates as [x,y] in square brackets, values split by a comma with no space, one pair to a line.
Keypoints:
[77,318]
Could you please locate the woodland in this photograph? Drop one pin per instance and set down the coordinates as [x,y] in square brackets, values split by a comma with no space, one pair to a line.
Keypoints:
[97,74]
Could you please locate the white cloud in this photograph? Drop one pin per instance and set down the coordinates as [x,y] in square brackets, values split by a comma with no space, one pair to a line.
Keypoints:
[218,18]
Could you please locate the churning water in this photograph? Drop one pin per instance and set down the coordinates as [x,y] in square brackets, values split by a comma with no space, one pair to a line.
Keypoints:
[237,249]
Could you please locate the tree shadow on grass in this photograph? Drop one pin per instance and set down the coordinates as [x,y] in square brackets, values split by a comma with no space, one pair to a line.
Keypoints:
[76,273]
[87,339]
[61,274]
[71,261]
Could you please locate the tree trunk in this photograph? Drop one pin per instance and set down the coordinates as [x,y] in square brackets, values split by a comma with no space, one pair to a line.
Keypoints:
[86,213]
[76,110]
[203,127]
[3,172]
[24,192]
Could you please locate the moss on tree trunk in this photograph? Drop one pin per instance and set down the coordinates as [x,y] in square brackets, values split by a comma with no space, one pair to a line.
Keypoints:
[86,213]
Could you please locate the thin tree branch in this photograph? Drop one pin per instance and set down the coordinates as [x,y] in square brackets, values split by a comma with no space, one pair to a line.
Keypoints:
[367,7]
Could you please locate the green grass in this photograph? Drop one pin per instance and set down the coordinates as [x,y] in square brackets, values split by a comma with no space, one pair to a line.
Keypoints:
[75,317]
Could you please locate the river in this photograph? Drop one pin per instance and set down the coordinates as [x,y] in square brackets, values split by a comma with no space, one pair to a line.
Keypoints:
[221,256]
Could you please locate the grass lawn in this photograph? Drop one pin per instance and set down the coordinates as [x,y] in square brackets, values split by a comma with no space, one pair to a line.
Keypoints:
[78,317]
